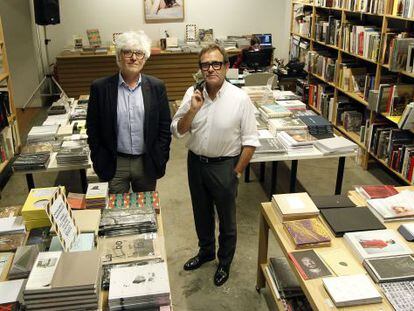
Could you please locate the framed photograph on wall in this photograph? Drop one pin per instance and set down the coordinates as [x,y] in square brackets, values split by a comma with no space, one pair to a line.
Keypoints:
[161,11]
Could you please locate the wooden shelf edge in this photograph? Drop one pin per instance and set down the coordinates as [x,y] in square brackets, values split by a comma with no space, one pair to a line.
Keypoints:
[351,135]
[276,297]
[4,76]
[385,164]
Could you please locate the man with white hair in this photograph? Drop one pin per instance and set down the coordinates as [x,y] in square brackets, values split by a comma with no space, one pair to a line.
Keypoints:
[128,121]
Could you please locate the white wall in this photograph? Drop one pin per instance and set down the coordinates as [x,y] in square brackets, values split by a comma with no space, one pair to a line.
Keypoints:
[21,51]
[226,17]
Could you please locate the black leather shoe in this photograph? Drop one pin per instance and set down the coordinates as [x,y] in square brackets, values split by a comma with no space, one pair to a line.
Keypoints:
[221,275]
[196,262]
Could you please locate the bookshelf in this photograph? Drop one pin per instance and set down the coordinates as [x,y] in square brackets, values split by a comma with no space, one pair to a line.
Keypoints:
[9,135]
[309,11]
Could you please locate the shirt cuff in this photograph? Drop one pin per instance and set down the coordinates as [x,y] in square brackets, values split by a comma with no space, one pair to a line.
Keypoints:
[251,140]
[174,129]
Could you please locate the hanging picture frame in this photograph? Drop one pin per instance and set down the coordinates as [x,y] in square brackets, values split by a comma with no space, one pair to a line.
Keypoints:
[190,33]
[161,11]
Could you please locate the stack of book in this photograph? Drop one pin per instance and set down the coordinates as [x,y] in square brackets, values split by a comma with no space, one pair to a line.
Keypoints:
[11,297]
[33,210]
[46,146]
[63,281]
[376,191]
[42,133]
[285,124]
[23,262]
[84,242]
[134,200]
[270,145]
[399,294]
[285,95]
[12,233]
[394,208]
[76,200]
[390,269]
[293,206]
[292,105]
[116,222]
[57,108]
[335,145]
[318,126]
[268,111]
[139,287]
[31,161]
[296,140]
[97,195]
[73,152]
[256,93]
[376,243]
[351,290]
[78,113]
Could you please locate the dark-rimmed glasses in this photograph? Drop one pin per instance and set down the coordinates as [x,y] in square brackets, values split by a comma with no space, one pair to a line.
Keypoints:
[129,53]
[206,66]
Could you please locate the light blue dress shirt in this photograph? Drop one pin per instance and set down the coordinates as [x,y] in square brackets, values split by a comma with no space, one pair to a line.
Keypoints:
[130,118]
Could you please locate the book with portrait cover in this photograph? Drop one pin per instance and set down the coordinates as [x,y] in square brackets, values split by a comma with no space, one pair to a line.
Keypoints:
[393,268]
[307,233]
[376,243]
[394,208]
[309,265]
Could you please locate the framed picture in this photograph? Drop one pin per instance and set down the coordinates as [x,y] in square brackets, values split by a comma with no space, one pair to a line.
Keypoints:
[161,11]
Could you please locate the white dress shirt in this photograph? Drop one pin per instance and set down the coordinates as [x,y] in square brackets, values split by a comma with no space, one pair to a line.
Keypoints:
[222,126]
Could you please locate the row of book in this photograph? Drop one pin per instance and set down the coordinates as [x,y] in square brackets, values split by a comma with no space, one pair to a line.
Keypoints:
[367,6]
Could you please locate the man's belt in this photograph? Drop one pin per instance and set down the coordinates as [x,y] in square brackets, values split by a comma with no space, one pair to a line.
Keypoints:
[128,156]
[204,159]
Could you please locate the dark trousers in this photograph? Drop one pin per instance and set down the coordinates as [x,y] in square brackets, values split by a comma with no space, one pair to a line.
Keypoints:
[214,184]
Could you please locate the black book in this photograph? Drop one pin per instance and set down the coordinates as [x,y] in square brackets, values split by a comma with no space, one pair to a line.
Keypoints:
[332,201]
[351,219]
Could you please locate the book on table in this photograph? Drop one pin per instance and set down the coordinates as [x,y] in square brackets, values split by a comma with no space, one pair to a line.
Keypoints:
[292,206]
[376,243]
[270,145]
[332,201]
[394,208]
[309,265]
[388,269]
[350,219]
[351,290]
[340,261]
[306,233]
[375,191]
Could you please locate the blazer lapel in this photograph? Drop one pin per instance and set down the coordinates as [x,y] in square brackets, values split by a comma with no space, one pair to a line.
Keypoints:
[113,101]
[146,95]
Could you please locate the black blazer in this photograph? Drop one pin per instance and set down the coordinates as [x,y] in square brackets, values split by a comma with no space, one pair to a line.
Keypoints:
[101,125]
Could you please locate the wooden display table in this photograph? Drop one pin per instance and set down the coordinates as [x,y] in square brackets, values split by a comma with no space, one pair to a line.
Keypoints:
[76,72]
[313,289]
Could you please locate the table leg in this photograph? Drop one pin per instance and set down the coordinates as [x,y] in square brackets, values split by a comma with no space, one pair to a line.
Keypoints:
[340,175]
[84,181]
[293,176]
[247,173]
[262,171]
[262,253]
[30,181]
[273,179]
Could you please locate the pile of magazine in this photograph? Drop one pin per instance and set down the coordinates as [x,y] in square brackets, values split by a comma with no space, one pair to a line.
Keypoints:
[31,161]
[296,139]
[97,195]
[42,133]
[116,222]
[335,145]
[318,126]
[144,287]
[73,152]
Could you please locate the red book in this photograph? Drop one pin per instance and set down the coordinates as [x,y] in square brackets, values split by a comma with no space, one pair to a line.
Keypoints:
[410,170]
[377,191]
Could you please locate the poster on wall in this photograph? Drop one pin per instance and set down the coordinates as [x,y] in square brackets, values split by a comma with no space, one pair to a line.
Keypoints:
[161,11]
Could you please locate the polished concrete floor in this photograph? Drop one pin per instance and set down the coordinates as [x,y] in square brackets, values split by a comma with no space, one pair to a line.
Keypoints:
[195,290]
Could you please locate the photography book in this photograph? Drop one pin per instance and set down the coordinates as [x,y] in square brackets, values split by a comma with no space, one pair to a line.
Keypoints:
[309,265]
[394,208]
[351,290]
[376,191]
[393,268]
[332,201]
[340,261]
[291,206]
[307,233]
[376,243]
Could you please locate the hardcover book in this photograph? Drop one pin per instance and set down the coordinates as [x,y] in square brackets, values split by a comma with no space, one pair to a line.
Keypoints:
[351,219]
[376,191]
[10,211]
[134,200]
[292,206]
[309,265]
[340,261]
[307,232]
[394,268]
[397,207]
[10,242]
[377,243]
[270,145]
[351,290]
[285,280]
[332,201]
[23,261]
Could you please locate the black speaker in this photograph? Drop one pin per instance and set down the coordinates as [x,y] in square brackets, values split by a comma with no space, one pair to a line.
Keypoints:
[46,12]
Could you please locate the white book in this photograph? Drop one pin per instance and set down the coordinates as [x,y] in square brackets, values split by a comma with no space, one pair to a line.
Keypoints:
[10,291]
[397,206]
[351,290]
[376,243]
[12,225]
[41,276]
[139,281]
[97,190]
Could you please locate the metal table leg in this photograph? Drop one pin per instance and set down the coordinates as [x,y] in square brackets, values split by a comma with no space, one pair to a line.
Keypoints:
[293,176]
[84,181]
[30,181]
[340,175]
[262,171]
[273,179]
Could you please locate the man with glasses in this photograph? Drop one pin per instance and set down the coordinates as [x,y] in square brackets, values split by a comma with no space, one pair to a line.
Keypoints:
[220,121]
[128,121]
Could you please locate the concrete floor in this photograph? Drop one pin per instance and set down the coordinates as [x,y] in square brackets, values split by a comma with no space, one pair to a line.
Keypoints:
[195,290]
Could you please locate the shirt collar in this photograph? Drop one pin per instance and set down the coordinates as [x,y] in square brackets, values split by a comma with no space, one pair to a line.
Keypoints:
[122,82]
[220,91]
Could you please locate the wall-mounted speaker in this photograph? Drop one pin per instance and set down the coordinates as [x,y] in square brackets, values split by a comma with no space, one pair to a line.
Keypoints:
[46,12]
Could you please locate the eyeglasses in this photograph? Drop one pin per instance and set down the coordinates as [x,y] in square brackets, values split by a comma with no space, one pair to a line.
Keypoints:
[138,54]
[215,65]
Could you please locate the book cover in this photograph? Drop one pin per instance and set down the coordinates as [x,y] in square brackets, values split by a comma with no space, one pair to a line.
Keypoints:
[134,200]
[294,206]
[377,243]
[309,265]
[76,200]
[5,264]
[340,261]
[393,268]
[407,231]
[376,191]
[23,261]
[94,37]
[10,211]
[307,232]
[396,207]
[10,242]
[40,277]
[332,201]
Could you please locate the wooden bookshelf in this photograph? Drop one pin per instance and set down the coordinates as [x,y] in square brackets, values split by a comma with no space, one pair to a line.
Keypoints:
[381,21]
[12,131]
